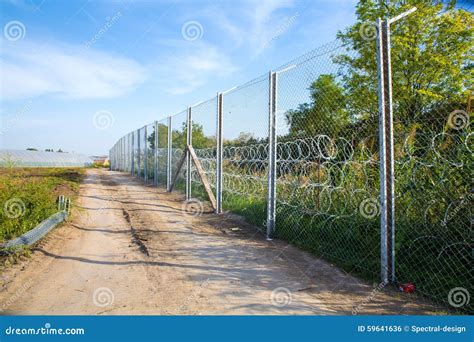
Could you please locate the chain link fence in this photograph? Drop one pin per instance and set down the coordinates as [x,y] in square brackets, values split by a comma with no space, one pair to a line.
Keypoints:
[356,151]
[245,144]
[433,155]
[204,143]
[327,164]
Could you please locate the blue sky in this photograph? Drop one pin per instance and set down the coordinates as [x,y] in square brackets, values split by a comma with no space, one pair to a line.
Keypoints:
[140,60]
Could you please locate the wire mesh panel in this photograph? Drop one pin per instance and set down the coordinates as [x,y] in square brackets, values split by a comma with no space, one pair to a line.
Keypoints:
[433,162]
[122,154]
[128,153]
[141,153]
[327,164]
[150,153]
[179,131]
[204,144]
[162,153]
[245,164]
[136,153]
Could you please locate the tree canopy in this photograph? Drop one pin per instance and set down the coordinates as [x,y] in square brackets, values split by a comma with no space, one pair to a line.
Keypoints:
[432,69]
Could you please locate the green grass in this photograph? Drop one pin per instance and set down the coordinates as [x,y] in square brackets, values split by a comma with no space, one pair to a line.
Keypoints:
[28,196]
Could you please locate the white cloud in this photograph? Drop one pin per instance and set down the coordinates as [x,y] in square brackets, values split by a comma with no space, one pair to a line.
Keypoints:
[191,66]
[259,21]
[70,71]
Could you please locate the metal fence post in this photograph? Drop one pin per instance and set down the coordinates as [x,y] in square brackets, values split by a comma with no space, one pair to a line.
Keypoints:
[121,155]
[272,154]
[390,155]
[387,197]
[132,171]
[189,138]
[168,163]
[155,162]
[219,153]
[139,154]
[118,157]
[145,149]
[128,153]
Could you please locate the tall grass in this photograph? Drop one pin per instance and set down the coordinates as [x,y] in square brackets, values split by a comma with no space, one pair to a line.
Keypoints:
[34,190]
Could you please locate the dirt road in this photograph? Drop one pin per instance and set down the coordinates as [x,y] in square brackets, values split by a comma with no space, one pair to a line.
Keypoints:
[130,248]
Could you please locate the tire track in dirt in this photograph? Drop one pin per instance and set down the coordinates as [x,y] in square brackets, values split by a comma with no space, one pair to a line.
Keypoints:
[136,238]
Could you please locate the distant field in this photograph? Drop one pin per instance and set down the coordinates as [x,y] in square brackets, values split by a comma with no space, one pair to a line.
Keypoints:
[28,196]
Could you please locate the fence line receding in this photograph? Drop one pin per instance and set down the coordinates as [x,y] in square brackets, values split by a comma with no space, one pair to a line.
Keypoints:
[297,152]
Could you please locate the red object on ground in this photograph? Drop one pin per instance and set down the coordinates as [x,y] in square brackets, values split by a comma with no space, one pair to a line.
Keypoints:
[407,288]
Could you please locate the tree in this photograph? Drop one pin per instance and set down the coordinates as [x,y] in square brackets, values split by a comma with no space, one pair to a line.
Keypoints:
[432,69]
[162,136]
[431,62]
[200,140]
[326,114]
[244,138]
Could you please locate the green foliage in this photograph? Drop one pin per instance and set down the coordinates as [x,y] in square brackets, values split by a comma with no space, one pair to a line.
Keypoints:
[326,114]
[200,140]
[34,192]
[432,70]
[243,139]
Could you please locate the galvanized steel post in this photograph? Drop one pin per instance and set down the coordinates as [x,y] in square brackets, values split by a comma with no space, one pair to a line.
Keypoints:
[132,171]
[387,197]
[145,150]
[272,154]
[168,162]
[189,132]
[155,162]
[219,153]
[139,154]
